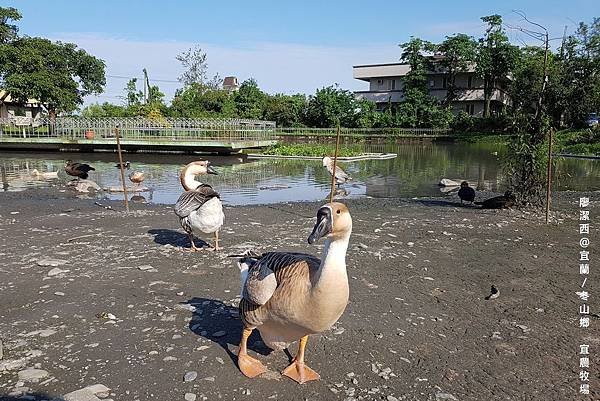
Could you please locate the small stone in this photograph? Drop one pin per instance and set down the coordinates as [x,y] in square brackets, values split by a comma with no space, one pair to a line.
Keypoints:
[339,331]
[56,271]
[145,267]
[169,358]
[444,397]
[51,262]
[391,398]
[190,376]
[190,397]
[220,360]
[180,293]
[246,392]
[153,353]
[60,294]
[32,375]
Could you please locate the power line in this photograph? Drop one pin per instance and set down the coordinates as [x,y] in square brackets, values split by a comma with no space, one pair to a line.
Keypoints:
[153,80]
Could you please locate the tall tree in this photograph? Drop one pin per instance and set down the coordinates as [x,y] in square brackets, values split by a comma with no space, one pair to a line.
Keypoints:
[57,74]
[194,62]
[459,52]
[250,100]
[496,58]
[8,32]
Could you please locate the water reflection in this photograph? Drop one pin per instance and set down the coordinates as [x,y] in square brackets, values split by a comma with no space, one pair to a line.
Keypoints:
[415,172]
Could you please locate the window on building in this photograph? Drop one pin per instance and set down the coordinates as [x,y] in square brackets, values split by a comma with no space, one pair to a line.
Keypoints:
[470,109]
[470,81]
[445,83]
[393,84]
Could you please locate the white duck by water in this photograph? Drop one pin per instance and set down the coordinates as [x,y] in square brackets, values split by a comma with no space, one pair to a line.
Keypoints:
[340,175]
[199,208]
[287,296]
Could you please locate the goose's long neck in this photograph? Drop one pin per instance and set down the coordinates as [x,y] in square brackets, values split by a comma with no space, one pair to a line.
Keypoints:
[333,262]
[188,182]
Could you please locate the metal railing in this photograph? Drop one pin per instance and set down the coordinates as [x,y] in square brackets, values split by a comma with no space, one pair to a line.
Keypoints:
[363,132]
[137,128]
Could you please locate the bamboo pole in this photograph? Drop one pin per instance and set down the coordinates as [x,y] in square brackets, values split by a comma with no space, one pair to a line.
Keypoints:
[121,167]
[549,175]
[335,156]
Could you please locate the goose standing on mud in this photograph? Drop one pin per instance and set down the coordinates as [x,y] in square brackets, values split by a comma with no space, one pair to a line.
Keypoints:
[199,208]
[340,175]
[466,193]
[287,296]
[79,170]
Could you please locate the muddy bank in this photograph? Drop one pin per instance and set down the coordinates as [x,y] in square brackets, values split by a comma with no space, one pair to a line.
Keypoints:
[93,296]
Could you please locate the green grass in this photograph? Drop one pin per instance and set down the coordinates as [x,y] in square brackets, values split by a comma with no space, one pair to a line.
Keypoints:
[479,137]
[311,150]
[579,142]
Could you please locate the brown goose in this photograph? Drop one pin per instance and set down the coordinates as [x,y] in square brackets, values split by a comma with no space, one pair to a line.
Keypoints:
[287,296]
[340,175]
[199,208]
[137,177]
[79,170]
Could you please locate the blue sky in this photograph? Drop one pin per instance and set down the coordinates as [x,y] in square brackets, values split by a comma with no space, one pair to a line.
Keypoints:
[287,46]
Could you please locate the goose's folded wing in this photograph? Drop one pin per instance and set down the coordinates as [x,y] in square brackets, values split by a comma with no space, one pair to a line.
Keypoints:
[268,271]
[193,200]
[341,174]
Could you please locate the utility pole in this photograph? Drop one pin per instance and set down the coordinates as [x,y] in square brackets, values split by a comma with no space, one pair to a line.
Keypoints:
[146,86]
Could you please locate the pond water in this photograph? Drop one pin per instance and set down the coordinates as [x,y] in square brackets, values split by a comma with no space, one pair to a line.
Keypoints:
[241,180]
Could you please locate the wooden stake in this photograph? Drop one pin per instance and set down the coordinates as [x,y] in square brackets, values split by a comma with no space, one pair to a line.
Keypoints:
[335,156]
[549,175]
[122,168]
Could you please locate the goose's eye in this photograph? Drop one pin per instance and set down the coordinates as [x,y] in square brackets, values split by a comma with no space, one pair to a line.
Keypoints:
[339,211]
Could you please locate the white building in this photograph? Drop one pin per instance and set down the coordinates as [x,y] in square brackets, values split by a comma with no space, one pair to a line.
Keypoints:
[386,83]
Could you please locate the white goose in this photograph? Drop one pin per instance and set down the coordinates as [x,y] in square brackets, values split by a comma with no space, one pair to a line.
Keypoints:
[288,296]
[340,175]
[199,208]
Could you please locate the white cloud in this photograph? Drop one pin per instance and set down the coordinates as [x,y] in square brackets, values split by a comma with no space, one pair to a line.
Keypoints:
[278,67]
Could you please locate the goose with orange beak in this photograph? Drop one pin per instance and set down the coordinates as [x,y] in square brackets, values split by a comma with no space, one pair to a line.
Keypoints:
[288,296]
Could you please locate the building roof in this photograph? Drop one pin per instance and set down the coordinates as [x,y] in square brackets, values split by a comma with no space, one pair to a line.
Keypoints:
[5,97]
[367,71]
[230,81]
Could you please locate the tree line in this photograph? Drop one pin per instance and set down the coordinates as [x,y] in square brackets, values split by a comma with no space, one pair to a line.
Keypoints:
[60,75]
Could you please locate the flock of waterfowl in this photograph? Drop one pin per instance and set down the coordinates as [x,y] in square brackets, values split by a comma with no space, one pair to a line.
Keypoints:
[287,296]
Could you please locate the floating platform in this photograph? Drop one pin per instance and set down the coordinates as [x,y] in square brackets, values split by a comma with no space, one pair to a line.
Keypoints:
[365,156]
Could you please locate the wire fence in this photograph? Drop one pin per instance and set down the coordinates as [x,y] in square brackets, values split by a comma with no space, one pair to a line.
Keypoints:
[181,129]
[137,128]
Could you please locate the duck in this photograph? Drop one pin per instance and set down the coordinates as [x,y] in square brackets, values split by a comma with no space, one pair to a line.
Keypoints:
[466,193]
[137,177]
[499,202]
[125,165]
[79,170]
[44,175]
[341,177]
[288,296]
[199,208]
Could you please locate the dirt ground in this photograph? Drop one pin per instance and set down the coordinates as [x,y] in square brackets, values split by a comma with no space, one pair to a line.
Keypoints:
[93,296]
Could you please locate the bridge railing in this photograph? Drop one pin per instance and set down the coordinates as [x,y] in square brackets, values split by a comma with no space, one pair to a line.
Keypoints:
[362,132]
[138,128]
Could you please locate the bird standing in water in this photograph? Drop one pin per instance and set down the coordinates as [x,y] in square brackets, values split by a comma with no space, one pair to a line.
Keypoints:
[137,177]
[199,208]
[79,170]
[466,193]
[340,175]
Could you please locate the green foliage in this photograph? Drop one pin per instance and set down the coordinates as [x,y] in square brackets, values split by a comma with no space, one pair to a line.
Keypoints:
[250,100]
[105,110]
[525,162]
[496,58]
[320,150]
[8,32]
[332,106]
[459,53]
[286,111]
[199,101]
[57,74]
